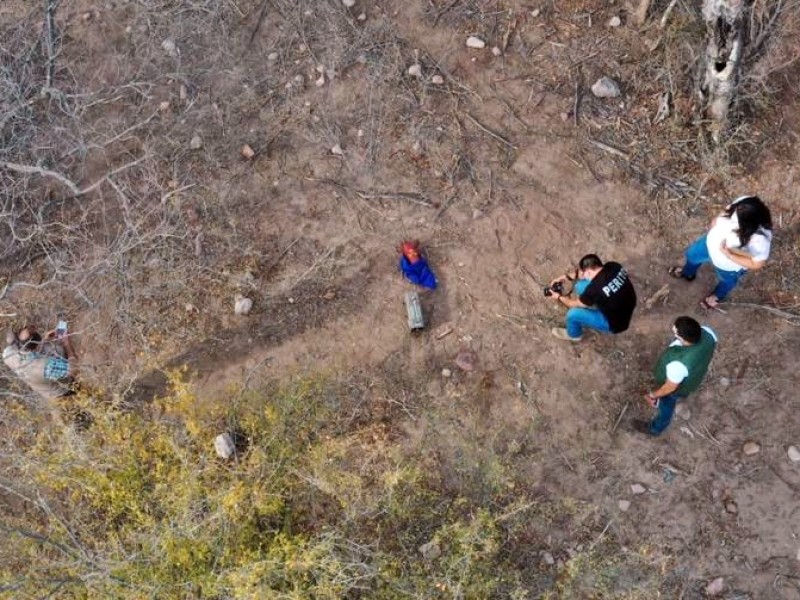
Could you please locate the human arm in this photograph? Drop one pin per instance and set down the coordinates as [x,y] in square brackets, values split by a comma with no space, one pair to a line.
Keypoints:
[741,258]
[564,278]
[568,301]
[666,389]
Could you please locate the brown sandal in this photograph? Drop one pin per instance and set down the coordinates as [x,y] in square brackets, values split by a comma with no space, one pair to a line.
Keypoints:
[677,273]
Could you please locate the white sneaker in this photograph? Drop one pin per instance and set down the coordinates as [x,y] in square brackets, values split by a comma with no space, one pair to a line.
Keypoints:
[561,333]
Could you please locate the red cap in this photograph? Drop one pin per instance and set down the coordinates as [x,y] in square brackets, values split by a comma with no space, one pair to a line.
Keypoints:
[410,249]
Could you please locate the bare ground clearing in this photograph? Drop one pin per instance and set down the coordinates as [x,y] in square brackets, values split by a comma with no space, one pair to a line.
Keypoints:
[498,171]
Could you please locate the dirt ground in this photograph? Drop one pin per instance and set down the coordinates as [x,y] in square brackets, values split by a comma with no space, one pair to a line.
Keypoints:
[505,188]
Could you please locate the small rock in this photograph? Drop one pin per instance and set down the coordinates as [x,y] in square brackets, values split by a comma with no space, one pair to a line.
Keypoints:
[466,360]
[638,488]
[242,305]
[415,70]
[430,551]
[337,150]
[605,88]
[730,506]
[360,133]
[196,142]
[183,93]
[724,382]
[547,558]
[624,505]
[247,151]
[190,308]
[437,80]
[299,80]
[320,81]
[164,106]
[272,56]
[715,587]
[794,453]
[496,51]
[170,48]
[751,448]
[224,446]
[535,12]
[349,3]
[446,373]
[683,412]
[362,16]
[87,16]
[615,21]
[475,42]
[477,213]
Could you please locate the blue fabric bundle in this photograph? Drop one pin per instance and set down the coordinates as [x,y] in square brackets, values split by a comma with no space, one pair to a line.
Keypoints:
[418,273]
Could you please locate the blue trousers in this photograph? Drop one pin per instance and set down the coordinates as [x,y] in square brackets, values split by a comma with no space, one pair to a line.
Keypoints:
[666,408]
[578,318]
[696,255]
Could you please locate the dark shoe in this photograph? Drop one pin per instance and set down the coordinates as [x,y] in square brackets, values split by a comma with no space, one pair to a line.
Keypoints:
[641,426]
[677,273]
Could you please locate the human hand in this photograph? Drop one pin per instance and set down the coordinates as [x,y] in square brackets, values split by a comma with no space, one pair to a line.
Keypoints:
[558,279]
[651,400]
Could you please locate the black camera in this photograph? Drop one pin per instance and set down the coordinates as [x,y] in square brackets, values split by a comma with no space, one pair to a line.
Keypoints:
[556,288]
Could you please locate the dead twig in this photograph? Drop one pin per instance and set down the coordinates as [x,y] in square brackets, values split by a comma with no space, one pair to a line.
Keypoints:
[609,149]
[793,318]
[488,131]
[619,418]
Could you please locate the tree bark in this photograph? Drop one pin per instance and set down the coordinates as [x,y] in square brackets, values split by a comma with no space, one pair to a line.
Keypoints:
[725,21]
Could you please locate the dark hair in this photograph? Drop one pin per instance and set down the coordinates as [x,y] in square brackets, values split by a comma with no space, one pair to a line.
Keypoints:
[752,214]
[590,261]
[688,329]
[32,343]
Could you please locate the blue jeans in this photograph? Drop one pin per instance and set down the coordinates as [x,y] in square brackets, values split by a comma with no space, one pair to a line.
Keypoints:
[578,318]
[696,255]
[666,408]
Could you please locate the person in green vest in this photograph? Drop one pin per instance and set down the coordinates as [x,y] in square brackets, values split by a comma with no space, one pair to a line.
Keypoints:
[679,371]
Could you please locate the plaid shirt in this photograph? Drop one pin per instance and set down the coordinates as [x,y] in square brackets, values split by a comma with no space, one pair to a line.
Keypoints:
[56,369]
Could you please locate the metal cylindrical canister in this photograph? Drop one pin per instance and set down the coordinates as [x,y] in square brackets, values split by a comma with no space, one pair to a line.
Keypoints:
[416,320]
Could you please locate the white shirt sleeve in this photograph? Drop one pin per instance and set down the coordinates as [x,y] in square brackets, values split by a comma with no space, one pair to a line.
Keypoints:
[759,245]
[676,372]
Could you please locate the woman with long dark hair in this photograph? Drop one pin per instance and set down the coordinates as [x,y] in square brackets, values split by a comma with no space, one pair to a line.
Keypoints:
[739,241]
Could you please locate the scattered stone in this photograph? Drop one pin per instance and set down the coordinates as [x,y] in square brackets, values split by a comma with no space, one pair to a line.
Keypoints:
[794,453]
[360,133]
[724,382]
[224,446]
[730,506]
[751,448]
[362,16]
[446,373]
[466,360]
[684,412]
[437,80]
[299,80]
[337,150]
[535,12]
[196,142]
[320,81]
[477,214]
[496,51]
[715,587]
[615,21]
[605,87]
[242,305]
[547,558]
[247,152]
[415,70]
[191,308]
[475,42]
[272,56]
[638,488]
[170,48]
[430,551]
[349,3]
[624,505]
[87,16]
[164,106]
[183,93]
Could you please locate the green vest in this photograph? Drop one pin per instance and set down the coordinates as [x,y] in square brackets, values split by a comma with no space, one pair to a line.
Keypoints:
[695,358]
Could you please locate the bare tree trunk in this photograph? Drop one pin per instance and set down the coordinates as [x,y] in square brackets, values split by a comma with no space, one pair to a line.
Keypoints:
[725,22]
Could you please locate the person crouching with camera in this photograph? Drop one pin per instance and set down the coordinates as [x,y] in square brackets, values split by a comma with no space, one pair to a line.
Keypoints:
[605,299]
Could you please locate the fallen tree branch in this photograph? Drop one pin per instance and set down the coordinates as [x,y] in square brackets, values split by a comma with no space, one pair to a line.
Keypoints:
[793,318]
[374,194]
[63,180]
[488,131]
